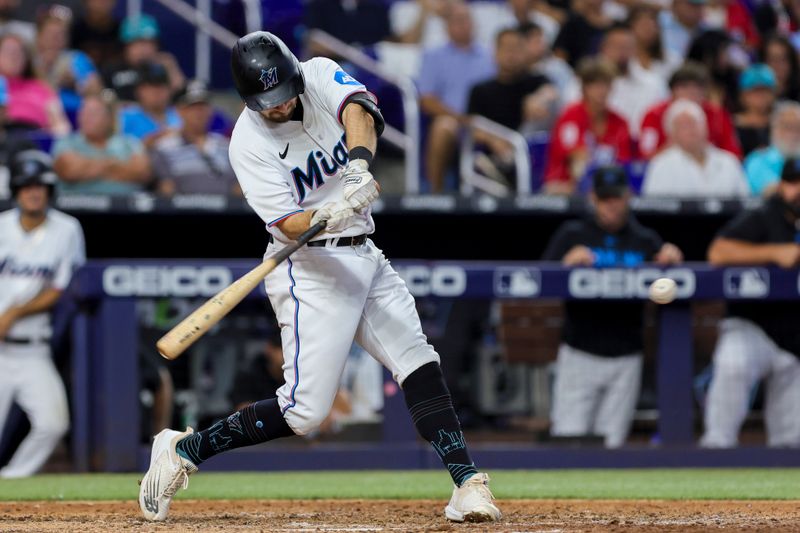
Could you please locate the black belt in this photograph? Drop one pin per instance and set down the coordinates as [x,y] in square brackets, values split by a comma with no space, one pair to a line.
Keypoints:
[341,241]
[18,340]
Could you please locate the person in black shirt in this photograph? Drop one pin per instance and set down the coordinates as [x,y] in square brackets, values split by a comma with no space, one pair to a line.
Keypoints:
[758,340]
[96,32]
[515,98]
[598,371]
[581,34]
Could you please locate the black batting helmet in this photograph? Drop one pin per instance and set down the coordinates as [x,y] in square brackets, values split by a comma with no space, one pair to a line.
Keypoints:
[32,167]
[265,71]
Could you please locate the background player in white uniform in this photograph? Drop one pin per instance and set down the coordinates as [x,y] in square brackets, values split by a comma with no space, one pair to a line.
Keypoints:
[296,168]
[39,250]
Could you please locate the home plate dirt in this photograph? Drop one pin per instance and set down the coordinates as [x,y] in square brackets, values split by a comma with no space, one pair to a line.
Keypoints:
[404,515]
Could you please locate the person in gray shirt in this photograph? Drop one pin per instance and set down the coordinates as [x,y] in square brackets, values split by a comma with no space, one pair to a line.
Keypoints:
[194,160]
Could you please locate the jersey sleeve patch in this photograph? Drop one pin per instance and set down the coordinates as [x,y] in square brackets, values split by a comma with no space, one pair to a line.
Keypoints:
[343,78]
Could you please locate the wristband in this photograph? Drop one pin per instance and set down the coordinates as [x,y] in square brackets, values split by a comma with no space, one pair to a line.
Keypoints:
[361,152]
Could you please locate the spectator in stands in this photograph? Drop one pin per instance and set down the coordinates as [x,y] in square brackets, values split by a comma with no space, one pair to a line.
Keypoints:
[447,75]
[599,367]
[680,24]
[758,340]
[71,72]
[263,376]
[194,160]
[96,32]
[756,97]
[691,82]
[634,90]
[515,98]
[10,24]
[140,37]
[32,103]
[763,167]
[725,59]
[650,56]
[152,117]
[363,22]
[692,167]
[542,61]
[95,160]
[587,134]
[582,32]
[779,54]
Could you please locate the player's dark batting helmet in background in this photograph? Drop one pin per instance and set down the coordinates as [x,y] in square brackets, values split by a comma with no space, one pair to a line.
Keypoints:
[265,71]
[32,167]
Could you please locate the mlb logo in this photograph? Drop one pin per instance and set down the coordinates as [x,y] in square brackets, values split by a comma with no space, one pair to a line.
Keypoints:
[517,282]
[746,282]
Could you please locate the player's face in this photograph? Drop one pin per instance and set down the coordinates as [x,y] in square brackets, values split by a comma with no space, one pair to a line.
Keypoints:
[280,113]
[611,212]
[32,199]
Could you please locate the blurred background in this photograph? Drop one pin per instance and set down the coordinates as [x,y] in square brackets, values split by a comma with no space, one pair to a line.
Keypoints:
[503,120]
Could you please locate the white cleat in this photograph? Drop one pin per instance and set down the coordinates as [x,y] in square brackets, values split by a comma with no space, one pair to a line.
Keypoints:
[167,473]
[472,502]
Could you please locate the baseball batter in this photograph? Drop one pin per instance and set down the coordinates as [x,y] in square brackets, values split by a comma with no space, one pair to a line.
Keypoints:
[301,150]
[39,250]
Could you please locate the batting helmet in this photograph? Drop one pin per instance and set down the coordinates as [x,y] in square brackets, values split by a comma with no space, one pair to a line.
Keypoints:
[265,71]
[32,167]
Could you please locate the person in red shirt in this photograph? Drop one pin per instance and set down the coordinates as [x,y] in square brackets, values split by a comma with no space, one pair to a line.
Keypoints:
[587,134]
[691,81]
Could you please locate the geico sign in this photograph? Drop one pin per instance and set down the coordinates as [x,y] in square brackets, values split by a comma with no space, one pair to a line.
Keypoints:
[434,281]
[165,281]
[626,283]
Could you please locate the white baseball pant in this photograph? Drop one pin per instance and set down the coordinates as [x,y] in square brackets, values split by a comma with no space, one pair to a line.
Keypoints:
[595,395]
[324,298]
[29,378]
[745,355]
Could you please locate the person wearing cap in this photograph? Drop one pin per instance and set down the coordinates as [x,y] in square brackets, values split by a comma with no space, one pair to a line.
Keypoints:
[96,159]
[588,133]
[152,116]
[763,167]
[11,24]
[758,340]
[40,248]
[140,37]
[757,95]
[691,81]
[599,365]
[194,160]
[692,167]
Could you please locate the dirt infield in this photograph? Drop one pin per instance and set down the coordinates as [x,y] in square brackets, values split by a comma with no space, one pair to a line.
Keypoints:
[396,515]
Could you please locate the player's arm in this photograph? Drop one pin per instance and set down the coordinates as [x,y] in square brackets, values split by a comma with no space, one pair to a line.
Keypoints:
[296,225]
[726,251]
[359,127]
[44,301]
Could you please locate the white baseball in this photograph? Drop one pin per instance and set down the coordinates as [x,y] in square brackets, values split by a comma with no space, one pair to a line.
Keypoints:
[662,290]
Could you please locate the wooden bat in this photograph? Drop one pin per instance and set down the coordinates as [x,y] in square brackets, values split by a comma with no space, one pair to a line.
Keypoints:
[194,326]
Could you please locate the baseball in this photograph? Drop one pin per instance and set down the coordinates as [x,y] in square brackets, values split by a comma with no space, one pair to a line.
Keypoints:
[662,290]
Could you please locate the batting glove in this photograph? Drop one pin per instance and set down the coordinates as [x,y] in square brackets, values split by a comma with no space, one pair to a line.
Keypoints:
[340,216]
[360,188]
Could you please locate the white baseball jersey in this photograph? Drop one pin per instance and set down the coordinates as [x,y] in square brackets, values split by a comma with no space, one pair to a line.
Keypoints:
[33,261]
[286,168]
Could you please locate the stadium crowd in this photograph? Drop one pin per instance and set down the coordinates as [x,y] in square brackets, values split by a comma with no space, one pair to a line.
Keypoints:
[699,88]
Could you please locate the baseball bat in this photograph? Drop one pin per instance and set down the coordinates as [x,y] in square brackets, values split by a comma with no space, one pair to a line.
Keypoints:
[194,326]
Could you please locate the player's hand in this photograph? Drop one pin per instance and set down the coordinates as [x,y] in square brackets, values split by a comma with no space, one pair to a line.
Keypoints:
[579,255]
[360,188]
[669,254]
[787,255]
[340,216]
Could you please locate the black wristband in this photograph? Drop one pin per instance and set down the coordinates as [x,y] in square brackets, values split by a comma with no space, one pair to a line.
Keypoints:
[361,152]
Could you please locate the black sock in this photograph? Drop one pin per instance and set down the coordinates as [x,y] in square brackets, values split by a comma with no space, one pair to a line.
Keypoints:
[431,409]
[256,423]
